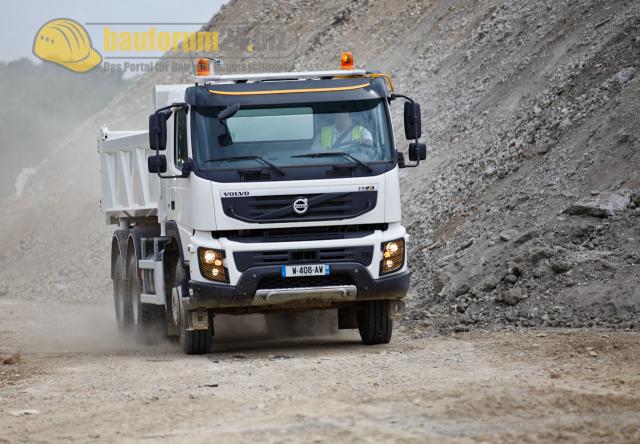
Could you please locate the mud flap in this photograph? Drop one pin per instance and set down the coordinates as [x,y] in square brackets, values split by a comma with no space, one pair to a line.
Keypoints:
[199,320]
[397,310]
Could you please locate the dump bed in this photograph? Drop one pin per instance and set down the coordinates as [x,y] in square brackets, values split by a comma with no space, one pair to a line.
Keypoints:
[128,190]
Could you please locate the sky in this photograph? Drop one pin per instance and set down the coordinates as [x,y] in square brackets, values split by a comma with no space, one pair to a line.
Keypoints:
[20,20]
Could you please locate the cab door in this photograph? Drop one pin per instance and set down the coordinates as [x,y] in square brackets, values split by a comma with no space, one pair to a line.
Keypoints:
[179,202]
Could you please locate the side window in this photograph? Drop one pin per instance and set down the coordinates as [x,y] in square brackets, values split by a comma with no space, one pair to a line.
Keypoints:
[180,137]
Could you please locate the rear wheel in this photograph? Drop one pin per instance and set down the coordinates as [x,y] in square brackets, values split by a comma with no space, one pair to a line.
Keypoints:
[147,320]
[375,323]
[192,342]
[120,297]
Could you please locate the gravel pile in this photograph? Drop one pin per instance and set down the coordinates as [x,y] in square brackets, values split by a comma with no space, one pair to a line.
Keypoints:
[529,217]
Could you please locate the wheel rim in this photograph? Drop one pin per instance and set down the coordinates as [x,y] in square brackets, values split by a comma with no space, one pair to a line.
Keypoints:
[175,305]
[119,296]
[135,300]
[119,306]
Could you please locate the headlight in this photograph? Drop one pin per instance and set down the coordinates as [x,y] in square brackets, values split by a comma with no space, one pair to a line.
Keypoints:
[392,256]
[212,264]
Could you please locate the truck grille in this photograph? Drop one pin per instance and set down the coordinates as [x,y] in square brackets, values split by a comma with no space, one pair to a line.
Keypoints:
[295,234]
[247,259]
[279,208]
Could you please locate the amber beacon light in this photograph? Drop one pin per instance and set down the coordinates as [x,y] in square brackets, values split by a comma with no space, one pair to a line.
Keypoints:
[346,60]
[202,68]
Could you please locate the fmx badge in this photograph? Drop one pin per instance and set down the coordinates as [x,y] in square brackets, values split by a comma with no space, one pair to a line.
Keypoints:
[65,42]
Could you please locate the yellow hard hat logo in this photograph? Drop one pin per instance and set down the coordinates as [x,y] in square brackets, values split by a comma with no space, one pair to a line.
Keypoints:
[66,43]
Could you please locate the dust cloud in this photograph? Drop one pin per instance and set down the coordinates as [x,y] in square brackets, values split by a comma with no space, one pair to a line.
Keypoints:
[275,326]
[66,328]
[51,327]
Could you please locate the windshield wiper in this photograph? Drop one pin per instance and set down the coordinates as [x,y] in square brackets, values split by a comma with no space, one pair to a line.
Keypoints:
[256,158]
[338,153]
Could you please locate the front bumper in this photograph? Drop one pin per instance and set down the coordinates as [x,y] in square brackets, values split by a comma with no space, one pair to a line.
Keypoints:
[249,292]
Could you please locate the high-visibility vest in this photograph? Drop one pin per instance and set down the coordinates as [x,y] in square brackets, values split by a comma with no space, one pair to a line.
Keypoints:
[326,135]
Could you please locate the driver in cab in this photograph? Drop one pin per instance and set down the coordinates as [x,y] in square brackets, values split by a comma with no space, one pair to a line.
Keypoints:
[343,132]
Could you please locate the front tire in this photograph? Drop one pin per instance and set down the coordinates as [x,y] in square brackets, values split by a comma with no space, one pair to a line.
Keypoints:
[192,342]
[375,323]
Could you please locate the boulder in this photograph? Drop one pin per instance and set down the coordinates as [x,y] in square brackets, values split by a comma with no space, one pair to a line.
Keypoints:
[512,296]
[560,266]
[603,205]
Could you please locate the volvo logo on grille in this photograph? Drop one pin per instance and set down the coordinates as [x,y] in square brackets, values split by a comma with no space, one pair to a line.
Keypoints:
[300,206]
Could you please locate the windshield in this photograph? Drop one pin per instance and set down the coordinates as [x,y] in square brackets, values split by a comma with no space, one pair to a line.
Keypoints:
[293,135]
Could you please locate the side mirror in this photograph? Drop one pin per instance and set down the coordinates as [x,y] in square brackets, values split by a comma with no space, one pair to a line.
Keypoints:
[417,152]
[412,121]
[157,164]
[158,130]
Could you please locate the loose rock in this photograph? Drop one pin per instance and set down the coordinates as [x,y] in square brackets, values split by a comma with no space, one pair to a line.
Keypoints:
[12,360]
[602,205]
[560,266]
[512,296]
[25,412]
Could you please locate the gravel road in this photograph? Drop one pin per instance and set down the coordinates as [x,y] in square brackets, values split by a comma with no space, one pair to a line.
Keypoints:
[502,386]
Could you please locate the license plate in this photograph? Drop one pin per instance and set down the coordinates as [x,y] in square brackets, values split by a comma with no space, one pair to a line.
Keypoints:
[305,270]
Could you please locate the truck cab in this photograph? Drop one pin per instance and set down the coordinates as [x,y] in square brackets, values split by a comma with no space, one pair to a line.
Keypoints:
[262,193]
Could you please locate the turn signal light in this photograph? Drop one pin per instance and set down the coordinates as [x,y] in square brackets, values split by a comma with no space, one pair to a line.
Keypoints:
[212,265]
[346,60]
[392,256]
[202,68]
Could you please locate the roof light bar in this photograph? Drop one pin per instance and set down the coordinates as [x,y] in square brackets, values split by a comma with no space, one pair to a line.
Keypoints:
[282,75]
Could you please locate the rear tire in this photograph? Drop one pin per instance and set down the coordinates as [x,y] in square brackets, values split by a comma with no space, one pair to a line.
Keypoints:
[147,320]
[120,296]
[374,323]
[192,342]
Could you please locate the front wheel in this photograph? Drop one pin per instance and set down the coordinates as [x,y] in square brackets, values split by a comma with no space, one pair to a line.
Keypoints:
[192,342]
[375,323]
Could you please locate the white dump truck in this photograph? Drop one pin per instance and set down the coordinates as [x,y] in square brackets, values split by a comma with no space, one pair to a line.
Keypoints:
[271,193]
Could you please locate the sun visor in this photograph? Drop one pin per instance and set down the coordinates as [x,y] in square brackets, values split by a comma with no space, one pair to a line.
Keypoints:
[285,91]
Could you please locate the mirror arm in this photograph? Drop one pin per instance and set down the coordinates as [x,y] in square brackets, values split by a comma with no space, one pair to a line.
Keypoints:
[182,105]
[395,96]
[186,170]
[406,165]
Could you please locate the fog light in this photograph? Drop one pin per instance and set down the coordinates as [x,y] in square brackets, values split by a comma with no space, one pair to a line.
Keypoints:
[212,265]
[393,256]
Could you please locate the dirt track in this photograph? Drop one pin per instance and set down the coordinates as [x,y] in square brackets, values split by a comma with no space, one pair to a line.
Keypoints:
[535,386]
